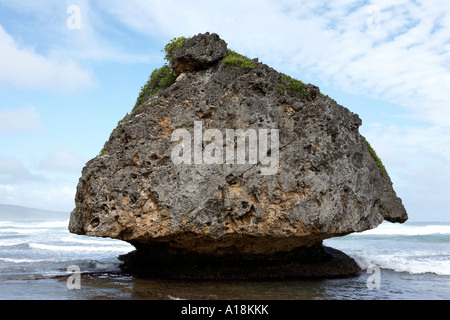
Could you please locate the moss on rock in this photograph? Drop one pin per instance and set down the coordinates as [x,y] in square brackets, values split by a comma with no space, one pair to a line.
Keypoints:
[376,159]
[293,87]
[234,59]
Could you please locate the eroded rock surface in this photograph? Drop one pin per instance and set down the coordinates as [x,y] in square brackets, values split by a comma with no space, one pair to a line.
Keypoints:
[326,182]
[199,52]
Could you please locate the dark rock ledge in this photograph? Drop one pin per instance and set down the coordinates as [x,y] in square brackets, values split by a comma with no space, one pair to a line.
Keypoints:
[300,263]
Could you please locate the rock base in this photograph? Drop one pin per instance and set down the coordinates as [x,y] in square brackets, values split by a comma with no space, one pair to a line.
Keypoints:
[300,263]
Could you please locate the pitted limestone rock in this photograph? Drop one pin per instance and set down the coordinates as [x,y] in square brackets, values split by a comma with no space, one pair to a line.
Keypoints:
[326,183]
[199,52]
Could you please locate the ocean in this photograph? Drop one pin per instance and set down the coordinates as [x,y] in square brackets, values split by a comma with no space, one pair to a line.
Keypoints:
[41,260]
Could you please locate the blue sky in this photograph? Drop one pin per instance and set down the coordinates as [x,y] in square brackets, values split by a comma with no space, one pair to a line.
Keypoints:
[67,77]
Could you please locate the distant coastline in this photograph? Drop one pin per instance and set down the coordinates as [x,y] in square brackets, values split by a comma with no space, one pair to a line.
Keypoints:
[14,212]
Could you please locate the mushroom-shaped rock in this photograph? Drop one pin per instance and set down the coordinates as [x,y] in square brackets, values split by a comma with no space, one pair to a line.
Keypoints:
[232,166]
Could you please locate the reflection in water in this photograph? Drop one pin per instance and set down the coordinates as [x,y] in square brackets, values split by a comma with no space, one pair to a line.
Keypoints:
[115,286]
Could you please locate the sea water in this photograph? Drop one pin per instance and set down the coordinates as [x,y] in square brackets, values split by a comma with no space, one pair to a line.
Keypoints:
[398,261]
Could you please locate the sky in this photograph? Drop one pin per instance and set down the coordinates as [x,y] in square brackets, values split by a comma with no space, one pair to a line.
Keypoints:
[70,70]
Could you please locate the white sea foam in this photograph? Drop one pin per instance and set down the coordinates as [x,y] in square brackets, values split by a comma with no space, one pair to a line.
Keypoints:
[121,248]
[103,266]
[412,263]
[13,260]
[10,243]
[52,224]
[21,227]
[407,230]
[34,224]
[22,230]
[93,242]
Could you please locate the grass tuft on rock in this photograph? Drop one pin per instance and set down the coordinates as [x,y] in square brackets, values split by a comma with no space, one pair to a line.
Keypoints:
[174,45]
[376,159]
[234,59]
[163,77]
[293,87]
[159,80]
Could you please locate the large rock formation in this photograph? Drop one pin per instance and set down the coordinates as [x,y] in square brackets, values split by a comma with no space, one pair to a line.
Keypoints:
[172,184]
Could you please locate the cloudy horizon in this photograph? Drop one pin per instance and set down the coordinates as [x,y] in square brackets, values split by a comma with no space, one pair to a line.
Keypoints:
[67,77]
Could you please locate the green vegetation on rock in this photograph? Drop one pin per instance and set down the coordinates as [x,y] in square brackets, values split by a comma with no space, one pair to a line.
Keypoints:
[159,80]
[174,45]
[163,77]
[293,87]
[234,59]
[376,158]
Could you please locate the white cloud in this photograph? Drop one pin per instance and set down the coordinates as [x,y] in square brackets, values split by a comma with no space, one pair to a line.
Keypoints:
[22,67]
[7,193]
[404,61]
[424,190]
[96,39]
[63,160]
[59,198]
[412,145]
[23,120]
[7,188]
[93,39]
[53,191]
[13,171]
[417,160]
